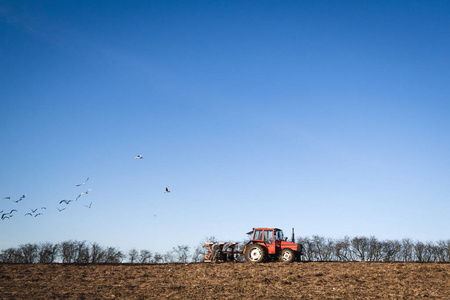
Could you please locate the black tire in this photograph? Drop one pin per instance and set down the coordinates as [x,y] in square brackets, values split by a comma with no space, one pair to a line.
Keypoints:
[255,253]
[286,255]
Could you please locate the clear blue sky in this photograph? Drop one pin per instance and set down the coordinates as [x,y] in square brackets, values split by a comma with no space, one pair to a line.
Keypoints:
[328,116]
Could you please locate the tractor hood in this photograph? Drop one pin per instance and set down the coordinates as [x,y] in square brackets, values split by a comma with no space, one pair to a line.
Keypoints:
[290,245]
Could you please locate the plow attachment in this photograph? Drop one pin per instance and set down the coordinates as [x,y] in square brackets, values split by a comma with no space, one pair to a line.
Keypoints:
[221,252]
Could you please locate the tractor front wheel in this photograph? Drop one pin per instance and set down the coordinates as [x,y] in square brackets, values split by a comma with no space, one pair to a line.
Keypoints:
[287,255]
[255,253]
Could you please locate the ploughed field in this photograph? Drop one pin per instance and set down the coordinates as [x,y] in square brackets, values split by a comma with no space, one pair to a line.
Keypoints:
[313,280]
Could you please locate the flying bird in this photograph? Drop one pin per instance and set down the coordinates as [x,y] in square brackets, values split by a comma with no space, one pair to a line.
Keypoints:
[83,182]
[43,207]
[12,210]
[139,157]
[34,210]
[28,214]
[21,198]
[7,198]
[37,215]
[8,215]
[89,205]
[167,190]
[65,201]
[87,192]
[60,210]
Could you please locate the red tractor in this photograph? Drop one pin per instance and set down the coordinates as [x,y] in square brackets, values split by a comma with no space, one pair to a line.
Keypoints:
[270,244]
[265,244]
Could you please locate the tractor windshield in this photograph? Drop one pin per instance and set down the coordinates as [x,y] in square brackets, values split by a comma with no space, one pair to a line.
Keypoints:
[279,235]
[257,235]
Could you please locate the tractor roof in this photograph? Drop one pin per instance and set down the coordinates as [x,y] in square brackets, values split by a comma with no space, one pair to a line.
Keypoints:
[263,228]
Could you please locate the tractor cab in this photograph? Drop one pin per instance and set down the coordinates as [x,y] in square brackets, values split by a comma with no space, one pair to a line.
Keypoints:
[267,235]
[270,243]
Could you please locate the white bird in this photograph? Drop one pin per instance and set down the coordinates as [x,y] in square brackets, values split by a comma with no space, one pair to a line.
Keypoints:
[83,182]
[139,157]
[167,190]
[87,192]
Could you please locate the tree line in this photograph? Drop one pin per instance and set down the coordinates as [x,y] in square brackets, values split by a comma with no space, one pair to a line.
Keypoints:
[315,248]
[81,252]
[371,249]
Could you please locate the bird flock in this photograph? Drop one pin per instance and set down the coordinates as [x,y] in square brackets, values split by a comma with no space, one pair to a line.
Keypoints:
[35,212]
[61,206]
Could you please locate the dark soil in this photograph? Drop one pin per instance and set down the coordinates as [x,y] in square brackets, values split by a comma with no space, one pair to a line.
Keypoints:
[356,280]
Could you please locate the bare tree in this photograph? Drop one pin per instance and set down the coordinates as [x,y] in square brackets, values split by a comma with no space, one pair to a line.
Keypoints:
[145,256]
[406,253]
[133,255]
[428,253]
[444,251]
[375,249]
[68,251]
[167,257]
[197,256]
[308,248]
[82,252]
[29,252]
[319,247]
[419,249]
[181,253]
[97,254]
[328,250]
[113,256]
[391,249]
[360,246]
[342,250]
[157,258]
[12,256]
[48,252]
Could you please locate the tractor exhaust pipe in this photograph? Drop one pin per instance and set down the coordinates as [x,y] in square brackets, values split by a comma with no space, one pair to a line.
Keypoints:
[293,236]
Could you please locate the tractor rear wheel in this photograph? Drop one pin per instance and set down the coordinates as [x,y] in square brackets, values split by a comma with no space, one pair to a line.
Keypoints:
[286,255]
[255,253]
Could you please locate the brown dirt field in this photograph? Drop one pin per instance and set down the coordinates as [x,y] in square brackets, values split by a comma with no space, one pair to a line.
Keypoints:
[356,280]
